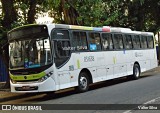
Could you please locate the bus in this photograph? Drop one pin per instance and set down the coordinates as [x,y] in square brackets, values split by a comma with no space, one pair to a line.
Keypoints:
[51,57]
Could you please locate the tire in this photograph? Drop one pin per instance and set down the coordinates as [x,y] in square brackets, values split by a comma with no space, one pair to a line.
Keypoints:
[136,72]
[83,82]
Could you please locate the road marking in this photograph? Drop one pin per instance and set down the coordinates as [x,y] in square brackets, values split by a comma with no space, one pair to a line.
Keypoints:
[128,111]
[148,102]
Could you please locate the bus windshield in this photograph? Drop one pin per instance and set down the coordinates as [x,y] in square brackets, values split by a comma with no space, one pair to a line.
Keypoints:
[30,53]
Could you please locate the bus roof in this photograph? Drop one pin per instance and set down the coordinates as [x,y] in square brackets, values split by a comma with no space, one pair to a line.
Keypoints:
[147,33]
[65,26]
[103,29]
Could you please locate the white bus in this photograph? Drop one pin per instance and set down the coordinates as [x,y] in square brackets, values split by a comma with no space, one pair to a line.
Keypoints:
[52,57]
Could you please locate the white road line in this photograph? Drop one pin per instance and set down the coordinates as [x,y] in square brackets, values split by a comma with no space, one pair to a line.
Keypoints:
[128,111]
[148,102]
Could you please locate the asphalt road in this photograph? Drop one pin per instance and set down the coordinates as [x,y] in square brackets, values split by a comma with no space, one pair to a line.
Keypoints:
[145,90]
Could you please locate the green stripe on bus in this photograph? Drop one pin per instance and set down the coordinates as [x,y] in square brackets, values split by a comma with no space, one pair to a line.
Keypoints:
[27,77]
[81,27]
[78,64]
[114,60]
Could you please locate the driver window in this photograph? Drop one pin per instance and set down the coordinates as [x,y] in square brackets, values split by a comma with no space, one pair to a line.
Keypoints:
[62,46]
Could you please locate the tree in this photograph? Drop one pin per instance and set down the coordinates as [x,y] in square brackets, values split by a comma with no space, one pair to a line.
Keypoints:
[62,11]
[139,15]
[90,12]
[9,13]
[32,11]
[9,17]
[77,12]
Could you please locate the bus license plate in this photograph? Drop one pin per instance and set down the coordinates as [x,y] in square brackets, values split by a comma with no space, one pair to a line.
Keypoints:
[25,87]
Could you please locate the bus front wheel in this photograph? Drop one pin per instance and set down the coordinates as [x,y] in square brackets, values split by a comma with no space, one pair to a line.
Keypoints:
[83,82]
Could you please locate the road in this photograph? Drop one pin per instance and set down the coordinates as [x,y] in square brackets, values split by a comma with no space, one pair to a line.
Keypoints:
[119,91]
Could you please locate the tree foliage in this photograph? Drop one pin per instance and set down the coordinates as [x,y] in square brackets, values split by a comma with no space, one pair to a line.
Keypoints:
[136,14]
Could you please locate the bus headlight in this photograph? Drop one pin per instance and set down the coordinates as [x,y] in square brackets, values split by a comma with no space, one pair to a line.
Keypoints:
[13,81]
[45,77]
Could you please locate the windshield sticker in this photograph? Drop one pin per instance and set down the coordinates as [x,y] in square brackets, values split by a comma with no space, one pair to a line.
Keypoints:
[26,63]
[33,66]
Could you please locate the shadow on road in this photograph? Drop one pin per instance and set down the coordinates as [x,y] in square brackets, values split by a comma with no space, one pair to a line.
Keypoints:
[69,92]
[12,98]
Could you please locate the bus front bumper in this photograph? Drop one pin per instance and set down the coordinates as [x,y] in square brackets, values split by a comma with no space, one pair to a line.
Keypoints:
[45,86]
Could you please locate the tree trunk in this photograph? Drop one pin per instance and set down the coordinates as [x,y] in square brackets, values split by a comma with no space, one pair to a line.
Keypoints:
[9,12]
[10,16]
[70,13]
[32,11]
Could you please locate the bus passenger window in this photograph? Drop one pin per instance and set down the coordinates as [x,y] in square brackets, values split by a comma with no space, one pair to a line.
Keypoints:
[105,44]
[150,42]
[79,41]
[118,41]
[128,42]
[136,42]
[144,42]
[107,41]
[94,41]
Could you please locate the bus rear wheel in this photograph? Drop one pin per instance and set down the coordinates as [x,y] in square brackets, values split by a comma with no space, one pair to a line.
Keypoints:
[83,82]
[136,71]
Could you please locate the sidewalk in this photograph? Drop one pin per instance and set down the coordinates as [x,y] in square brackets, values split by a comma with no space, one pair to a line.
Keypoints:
[5,94]
[2,84]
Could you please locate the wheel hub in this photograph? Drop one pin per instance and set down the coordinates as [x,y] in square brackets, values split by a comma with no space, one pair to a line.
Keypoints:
[137,72]
[83,82]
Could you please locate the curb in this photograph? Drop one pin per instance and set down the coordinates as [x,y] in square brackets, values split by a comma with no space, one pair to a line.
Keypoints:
[2,85]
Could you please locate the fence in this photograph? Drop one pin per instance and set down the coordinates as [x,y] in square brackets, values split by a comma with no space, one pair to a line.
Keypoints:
[3,72]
